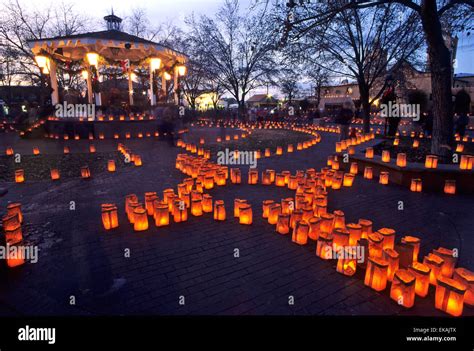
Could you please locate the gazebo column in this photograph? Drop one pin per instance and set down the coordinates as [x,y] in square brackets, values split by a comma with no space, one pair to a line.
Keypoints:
[152,93]
[98,96]
[155,64]
[163,86]
[93,60]
[130,86]
[175,86]
[54,83]
[98,99]
[90,93]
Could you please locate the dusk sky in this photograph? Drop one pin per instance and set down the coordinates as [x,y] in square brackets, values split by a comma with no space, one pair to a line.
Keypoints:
[162,11]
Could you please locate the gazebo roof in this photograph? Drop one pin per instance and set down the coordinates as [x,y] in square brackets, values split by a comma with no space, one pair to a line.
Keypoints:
[104,34]
[262,98]
[112,44]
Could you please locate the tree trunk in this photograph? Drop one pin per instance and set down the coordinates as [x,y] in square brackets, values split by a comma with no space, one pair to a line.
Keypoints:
[441,76]
[10,93]
[318,96]
[216,114]
[242,108]
[192,103]
[364,99]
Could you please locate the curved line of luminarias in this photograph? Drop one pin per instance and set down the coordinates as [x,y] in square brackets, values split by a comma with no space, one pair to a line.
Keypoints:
[192,165]
[329,177]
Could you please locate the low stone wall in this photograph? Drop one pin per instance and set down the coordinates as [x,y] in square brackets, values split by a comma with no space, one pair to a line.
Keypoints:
[433,180]
[107,128]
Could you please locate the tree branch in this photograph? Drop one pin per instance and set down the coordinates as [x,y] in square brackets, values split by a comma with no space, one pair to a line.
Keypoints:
[453,3]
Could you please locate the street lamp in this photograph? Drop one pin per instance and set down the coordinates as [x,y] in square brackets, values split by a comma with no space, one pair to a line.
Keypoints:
[93,58]
[155,63]
[43,63]
[181,71]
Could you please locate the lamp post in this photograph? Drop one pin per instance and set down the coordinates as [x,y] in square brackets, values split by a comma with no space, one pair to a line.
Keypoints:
[86,74]
[48,66]
[93,73]
[164,84]
[181,70]
[155,64]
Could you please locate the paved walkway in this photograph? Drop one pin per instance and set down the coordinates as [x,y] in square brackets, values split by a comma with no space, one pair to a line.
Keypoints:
[195,259]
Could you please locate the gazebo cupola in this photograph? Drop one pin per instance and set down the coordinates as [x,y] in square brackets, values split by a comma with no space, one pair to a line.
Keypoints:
[113,22]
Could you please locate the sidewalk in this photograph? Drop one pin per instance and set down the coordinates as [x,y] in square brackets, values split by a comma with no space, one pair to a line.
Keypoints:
[195,259]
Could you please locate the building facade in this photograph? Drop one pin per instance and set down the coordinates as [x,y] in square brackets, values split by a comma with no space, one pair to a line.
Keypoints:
[407,80]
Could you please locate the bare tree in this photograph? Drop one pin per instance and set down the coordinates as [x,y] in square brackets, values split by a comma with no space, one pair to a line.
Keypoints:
[288,82]
[194,82]
[18,24]
[8,69]
[8,65]
[320,77]
[169,34]
[139,24]
[237,47]
[217,91]
[65,21]
[437,18]
[361,44]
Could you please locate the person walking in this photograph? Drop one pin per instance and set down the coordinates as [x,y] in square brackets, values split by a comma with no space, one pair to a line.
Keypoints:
[344,118]
[389,97]
[428,123]
[462,103]
[461,124]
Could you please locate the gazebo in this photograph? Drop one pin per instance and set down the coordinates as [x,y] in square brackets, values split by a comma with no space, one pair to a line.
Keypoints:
[90,51]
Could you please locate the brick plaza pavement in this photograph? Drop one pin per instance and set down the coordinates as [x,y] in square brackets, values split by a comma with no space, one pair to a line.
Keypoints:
[195,259]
